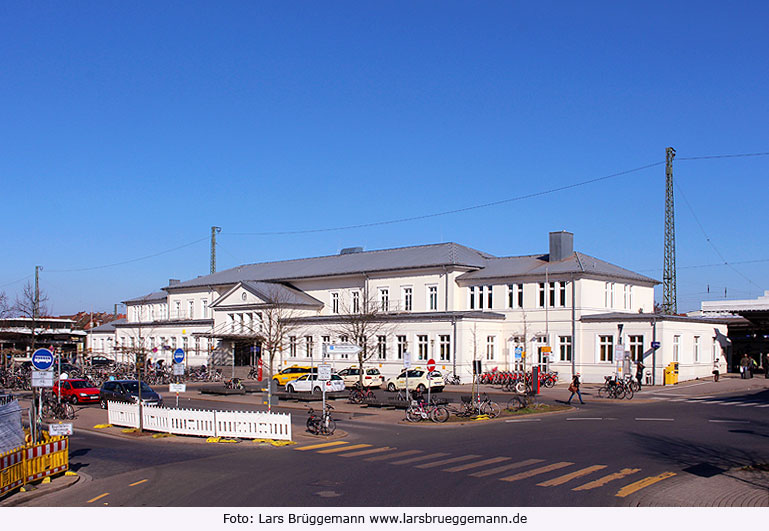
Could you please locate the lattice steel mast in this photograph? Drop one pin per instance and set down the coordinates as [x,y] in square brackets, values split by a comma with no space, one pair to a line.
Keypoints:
[669,304]
[214,230]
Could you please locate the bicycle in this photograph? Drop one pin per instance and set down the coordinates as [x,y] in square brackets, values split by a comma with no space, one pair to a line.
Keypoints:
[233,383]
[482,406]
[321,424]
[452,379]
[358,394]
[59,410]
[419,410]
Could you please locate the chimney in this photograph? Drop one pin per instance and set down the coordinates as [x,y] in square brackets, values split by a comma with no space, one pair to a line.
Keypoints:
[561,245]
[173,281]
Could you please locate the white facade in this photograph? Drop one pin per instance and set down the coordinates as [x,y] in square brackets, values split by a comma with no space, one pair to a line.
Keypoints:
[451,312]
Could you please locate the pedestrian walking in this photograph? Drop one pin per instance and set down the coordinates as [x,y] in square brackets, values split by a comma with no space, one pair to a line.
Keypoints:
[744,363]
[639,373]
[574,388]
[716,368]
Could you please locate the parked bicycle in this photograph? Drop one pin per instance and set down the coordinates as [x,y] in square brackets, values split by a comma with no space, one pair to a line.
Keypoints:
[615,388]
[320,424]
[233,383]
[452,379]
[420,410]
[483,405]
[358,394]
[59,410]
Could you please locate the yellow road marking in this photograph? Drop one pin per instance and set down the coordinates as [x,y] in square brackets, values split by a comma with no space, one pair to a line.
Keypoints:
[448,461]
[490,471]
[638,485]
[99,497]
[491,461]
[138,483]
[419,458]
[390,456]
[343,449]
[604,480]
[368,452]
[536,471]
[568,477]
[323,445]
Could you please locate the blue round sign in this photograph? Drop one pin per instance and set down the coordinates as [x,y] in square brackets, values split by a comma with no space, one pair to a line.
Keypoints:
[42,359]
[178,355]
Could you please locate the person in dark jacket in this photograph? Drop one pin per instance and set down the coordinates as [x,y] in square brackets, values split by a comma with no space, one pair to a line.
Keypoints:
[639,373]
[574,388]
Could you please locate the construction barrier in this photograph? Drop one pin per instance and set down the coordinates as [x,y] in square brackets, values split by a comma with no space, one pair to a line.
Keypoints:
[203,423]
[33,462]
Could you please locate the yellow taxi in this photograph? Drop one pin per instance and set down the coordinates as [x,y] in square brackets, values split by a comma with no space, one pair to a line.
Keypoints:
[289,374]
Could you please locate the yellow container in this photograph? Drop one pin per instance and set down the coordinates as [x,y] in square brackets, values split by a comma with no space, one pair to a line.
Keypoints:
[671,373]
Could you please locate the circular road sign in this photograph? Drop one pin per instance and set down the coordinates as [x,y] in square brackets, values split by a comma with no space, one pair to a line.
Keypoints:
[431,364]
[178,355]
[42,359]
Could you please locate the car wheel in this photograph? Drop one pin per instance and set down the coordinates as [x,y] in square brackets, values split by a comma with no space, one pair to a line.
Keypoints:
[103,403]
[317,391]
[391,388]
[75,400]
[290,389]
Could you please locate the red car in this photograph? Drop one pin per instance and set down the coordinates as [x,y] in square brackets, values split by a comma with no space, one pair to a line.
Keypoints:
[76,390]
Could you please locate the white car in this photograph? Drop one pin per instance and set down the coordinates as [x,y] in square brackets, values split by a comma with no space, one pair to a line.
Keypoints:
[417,380]
[371,377]
[309,383]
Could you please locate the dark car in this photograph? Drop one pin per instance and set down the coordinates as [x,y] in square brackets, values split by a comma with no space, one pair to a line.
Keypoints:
[127,391]
[100,361]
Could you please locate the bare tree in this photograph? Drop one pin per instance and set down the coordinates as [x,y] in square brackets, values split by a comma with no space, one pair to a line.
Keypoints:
[5,309]
[32,305]
[363,323]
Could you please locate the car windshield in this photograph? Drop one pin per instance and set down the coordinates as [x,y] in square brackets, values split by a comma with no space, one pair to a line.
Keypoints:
[80,384]
[372,371]
[132,387]
[302,378]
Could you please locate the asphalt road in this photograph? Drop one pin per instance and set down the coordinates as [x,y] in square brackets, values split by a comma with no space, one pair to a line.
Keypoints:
[601,454]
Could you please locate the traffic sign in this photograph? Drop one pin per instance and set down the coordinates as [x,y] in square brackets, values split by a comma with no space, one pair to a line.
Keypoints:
[324,372]
[42,359]
[177,388]
[407,359]
[42,378]
[343,348]
[178,369]
[518,352]
[56,430]
[178,355]
[655,345]
[431,364]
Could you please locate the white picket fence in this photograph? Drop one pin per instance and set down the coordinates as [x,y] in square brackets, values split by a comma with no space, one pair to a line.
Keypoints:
[242,424]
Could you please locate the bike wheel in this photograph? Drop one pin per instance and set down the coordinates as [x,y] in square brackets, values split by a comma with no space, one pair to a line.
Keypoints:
[629,392]
[491,409]
[439,414]
[413,414]
[68,410]
[47,410]
[603,392]
[312,425]
[328,427]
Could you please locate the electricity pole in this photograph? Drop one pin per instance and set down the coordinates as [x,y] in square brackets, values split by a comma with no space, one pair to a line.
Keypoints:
[214,230]
[669,305]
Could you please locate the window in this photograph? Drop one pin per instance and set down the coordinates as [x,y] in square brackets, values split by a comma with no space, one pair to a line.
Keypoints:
[696,349]
[676,347]
[432,297]
[626,296]
[173,343]
[564,347]
[490,347]
[384,299]
[381,347]
[152,312]
[562,294]
[402,346]
[325,342]
[541,298]
[197,344]
[472,297]
[356,302]
[191,309]
[636,346]
[445,347]
[292,346]
[489,299]
[551,294]
[515,296]
[407,299]
[608,295]
[422,347]
[343,339]
[335,303]
[185,343]
[308,346]
[606,348]
[231,318]
[178,308]
[204,308]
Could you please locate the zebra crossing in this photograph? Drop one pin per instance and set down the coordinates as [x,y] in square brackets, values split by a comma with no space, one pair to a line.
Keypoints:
[713,401]
[502,468]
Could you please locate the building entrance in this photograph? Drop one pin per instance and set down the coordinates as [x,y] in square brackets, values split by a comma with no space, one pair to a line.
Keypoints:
[247,352]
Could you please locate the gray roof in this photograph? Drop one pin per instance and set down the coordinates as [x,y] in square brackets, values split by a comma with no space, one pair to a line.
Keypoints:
[536,266]
[157,296]
[620,316]
[422,256]
[107,327]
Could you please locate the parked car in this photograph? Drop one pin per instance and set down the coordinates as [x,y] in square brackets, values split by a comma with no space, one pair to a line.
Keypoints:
[76,390]
[371,377]
[100,361]
[417,380]
[128,391]
[310,383]
[289,374]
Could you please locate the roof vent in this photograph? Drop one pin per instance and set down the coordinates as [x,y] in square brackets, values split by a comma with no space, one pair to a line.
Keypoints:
[173,281]
[561,245]
[351,250]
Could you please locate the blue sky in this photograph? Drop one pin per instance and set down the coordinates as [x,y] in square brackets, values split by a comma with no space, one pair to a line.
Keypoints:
[129,129]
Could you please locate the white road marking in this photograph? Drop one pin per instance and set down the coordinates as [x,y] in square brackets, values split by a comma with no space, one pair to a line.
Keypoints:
[666,420]
[765,405]
[585,418]
[731,421]
[748,404]
[523,420]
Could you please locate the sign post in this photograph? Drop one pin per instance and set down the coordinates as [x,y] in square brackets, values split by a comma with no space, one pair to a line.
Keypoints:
[407,365]
[324,375]
[42,360]
[178,360]
[430,369]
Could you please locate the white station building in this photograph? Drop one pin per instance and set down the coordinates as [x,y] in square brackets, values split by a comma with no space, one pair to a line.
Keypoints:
[445,302]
